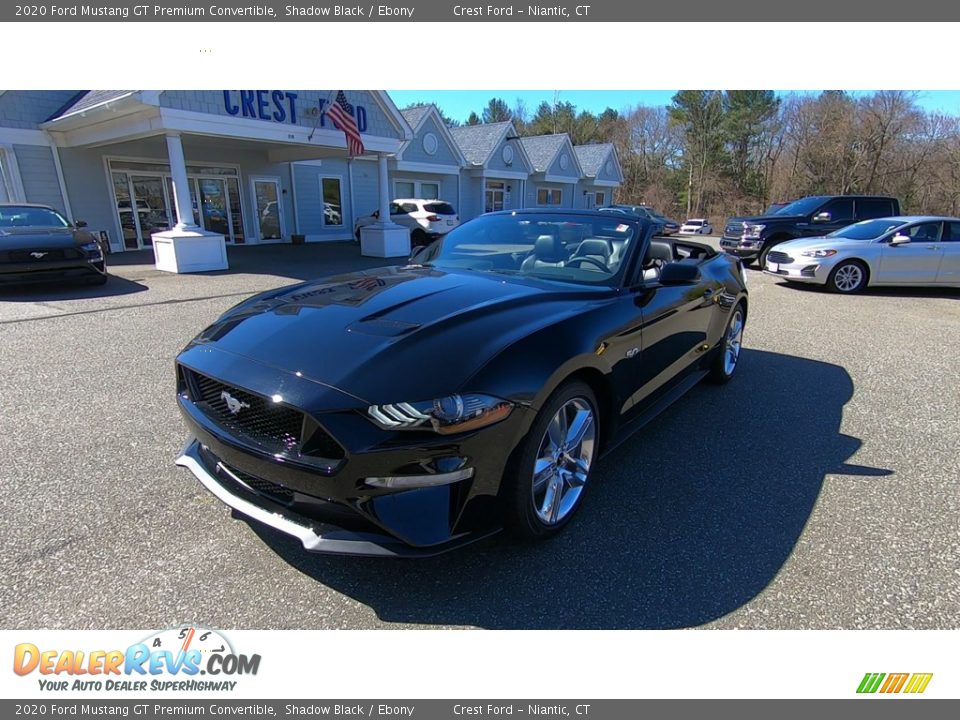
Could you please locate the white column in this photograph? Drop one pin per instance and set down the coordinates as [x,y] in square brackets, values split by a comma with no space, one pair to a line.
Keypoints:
[384,238]
[384,189]
[181,185]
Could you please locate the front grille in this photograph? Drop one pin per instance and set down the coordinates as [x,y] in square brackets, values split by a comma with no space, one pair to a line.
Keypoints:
[733,230]
[780,258]
[270,425]
[270,490]
[46,255]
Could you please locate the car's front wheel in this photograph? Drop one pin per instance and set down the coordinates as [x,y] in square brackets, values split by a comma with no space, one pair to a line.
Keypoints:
[555,464]
[728,354]
[849,276]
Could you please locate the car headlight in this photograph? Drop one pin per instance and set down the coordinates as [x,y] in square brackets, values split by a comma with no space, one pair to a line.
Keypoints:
[818,253]
[93,250]
[447,415]
[752,231]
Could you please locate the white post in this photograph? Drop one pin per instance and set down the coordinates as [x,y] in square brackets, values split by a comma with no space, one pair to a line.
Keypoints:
[181,186]
[186,247]
[384,189]
[384,238]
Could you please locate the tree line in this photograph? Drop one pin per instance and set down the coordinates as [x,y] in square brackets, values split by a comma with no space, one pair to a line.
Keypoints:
[718,153]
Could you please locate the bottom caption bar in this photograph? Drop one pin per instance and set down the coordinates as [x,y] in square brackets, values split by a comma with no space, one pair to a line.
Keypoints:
[453,709]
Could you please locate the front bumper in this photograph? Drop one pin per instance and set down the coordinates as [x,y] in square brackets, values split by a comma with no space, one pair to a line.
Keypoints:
[741,248]
[413,494]
[315,535]
[40,272]
[804,270]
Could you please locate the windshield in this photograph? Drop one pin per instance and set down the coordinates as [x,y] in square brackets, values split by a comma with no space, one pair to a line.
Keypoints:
[867,230]
[571,248]
[26,216]
[804,206]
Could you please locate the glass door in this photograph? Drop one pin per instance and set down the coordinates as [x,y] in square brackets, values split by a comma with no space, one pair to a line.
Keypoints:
[236,211]
[266,193]
[214,206]
[153,208]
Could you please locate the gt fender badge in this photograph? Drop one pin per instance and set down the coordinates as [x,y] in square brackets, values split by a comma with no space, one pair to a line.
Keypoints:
[632,352]
[233,405]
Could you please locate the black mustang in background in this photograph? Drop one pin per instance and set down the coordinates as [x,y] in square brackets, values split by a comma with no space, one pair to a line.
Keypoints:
[408,410]
[37,244]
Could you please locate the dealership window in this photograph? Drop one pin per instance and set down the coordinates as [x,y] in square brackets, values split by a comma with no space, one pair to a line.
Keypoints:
[331,190]
[549,196]
[416,189]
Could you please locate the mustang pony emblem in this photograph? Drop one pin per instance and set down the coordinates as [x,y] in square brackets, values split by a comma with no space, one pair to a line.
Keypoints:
[233,405]
[37,255]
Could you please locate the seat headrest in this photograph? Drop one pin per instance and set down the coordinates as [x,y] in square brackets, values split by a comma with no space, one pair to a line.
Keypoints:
[595,247]
[660,251]
[549,248]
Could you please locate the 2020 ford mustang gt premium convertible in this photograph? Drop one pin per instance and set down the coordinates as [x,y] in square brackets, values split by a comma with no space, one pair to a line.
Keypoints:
[409,410]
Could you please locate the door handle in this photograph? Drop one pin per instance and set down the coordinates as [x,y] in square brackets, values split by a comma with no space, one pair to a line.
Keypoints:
[932,247]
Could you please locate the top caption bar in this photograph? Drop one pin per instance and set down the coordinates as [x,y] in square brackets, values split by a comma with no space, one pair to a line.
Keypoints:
[451,11]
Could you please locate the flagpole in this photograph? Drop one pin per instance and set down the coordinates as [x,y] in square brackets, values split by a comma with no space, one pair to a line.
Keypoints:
[322,111]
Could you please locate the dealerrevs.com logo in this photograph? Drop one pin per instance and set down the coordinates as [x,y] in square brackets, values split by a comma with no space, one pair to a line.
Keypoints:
[170,660]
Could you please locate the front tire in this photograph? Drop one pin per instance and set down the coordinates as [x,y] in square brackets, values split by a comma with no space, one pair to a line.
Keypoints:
[848,277]
[727,357]
[553,470]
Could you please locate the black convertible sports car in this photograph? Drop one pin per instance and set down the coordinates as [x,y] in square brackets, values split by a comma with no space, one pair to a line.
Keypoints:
[37,244]
[409,410]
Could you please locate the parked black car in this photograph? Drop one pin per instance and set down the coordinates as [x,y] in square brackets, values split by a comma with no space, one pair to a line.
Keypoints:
[409,410]
[752,238]
[662,225]
[37,244]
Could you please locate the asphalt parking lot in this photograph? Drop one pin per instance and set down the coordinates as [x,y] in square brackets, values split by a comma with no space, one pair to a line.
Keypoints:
[818,490]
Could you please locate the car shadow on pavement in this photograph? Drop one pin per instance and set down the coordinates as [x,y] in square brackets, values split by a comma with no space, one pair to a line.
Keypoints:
[893,292]
[687,521]
[53,291]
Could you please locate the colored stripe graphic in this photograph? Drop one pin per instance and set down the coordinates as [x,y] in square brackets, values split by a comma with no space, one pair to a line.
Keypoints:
[894,682]
[870,682]
[918,683]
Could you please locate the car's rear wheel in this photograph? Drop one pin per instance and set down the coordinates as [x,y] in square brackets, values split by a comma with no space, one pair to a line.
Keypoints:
[848,277]
[554,467]
[727,356]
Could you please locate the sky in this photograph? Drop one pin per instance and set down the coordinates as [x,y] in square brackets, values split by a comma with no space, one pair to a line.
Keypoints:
[458,104]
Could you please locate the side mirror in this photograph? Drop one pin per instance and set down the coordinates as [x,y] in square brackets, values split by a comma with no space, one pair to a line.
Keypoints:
[899,240]
[81,223]
[822,217]
[679,273]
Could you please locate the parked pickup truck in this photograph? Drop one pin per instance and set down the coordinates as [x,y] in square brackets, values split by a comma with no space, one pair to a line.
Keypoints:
[751,238]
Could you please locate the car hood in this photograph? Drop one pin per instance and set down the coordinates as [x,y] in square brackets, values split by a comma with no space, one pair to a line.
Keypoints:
[766,219]
[37,237]
[820,243]
[393,334]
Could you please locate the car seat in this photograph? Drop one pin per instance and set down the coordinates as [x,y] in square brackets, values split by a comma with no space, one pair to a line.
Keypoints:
[548,251]
[596,249]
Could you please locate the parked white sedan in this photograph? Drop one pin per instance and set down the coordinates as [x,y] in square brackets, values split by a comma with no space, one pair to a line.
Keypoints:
[696,226]
[427,219]
[910,250]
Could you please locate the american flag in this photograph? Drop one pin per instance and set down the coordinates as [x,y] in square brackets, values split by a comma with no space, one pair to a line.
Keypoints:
[341,113]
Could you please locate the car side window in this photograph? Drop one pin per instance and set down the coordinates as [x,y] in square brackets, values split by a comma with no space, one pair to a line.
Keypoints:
[924,232]
[408,208]
[869,209]
[841,210]
[395,209]
[951,232]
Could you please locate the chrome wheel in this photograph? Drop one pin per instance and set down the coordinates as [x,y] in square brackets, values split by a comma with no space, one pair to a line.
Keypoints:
[733,342]
[562,467]
[848,277]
